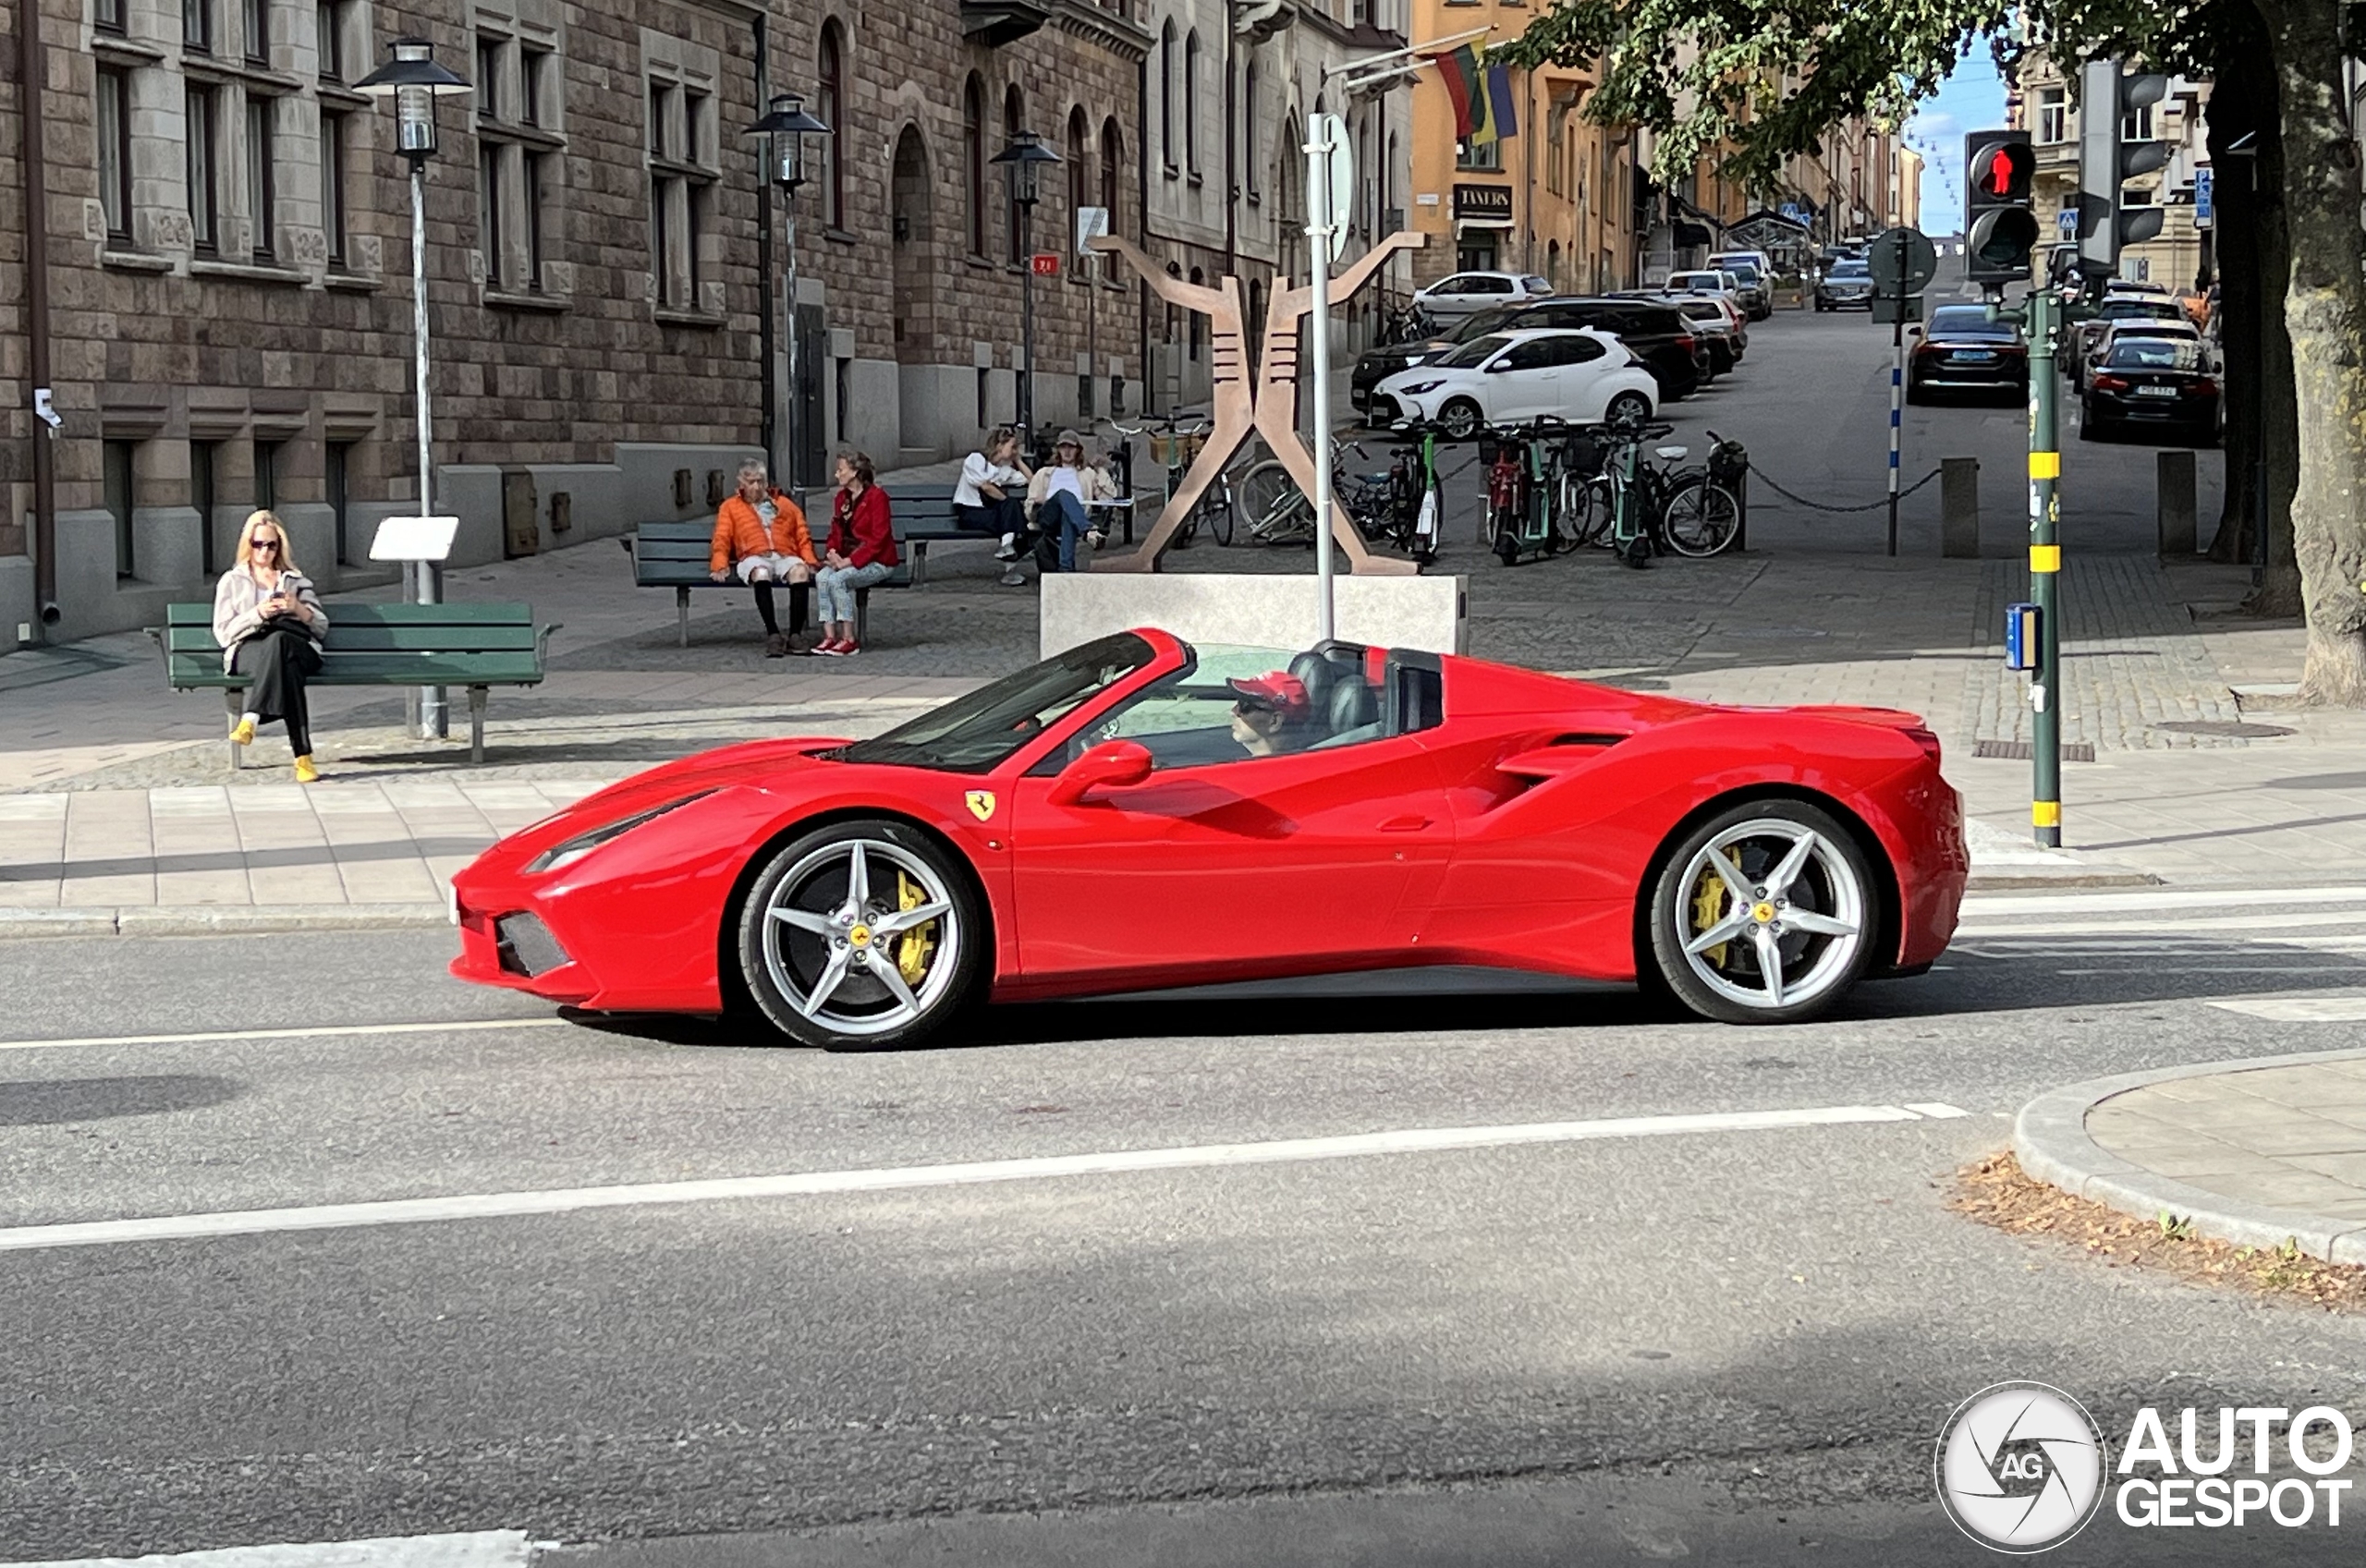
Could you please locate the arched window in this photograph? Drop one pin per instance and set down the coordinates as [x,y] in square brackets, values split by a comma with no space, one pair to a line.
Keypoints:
[1014,120]
[973,161]
[1080,175]
[831,105]
[1113,164]
[1249,128]
[1192,102]
[1192,323]
[1166,93]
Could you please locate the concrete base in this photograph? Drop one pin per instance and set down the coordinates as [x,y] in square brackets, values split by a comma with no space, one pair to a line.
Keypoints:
[17,606]
[2175,504]
[1959,508]
[1258,611]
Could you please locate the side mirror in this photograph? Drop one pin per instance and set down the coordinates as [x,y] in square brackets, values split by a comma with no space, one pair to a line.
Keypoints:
[1114,764]
[1914,331]
[1499,366]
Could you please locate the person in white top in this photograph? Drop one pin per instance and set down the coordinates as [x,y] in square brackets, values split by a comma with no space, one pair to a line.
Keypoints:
[986,497]
[1059,499]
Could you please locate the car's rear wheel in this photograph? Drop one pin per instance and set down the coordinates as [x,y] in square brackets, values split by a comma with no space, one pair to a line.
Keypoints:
[1765,914]
[861,936]
[1628,408]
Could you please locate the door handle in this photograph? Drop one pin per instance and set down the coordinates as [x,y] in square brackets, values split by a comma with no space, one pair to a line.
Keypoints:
[1411,823]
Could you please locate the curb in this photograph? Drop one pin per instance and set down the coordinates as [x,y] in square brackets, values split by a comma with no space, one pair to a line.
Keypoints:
[218,919]
[2021,881]
[2050,1139]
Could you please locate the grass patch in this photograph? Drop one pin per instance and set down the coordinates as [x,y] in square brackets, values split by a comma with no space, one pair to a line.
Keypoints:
[1997,1192]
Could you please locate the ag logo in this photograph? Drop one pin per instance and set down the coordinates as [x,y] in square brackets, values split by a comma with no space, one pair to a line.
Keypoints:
[981,803]
[2021,1467]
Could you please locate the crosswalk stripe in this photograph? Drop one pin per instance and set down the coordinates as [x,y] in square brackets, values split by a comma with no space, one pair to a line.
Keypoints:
[2302,1009]
[2181,898]
[502,1205]
[2198,926]
[316,1031]
[481,1548]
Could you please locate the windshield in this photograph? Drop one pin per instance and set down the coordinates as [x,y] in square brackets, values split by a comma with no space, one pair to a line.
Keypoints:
[1851,270]
[2141,311]
[975,734]
[1746,270]
[1964,321]
[1472,354]
[1479,321]
[2155,353]
[1712,282]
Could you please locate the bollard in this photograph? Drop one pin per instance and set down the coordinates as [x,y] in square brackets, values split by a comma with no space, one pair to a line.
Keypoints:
[2174,470]
[1959,507]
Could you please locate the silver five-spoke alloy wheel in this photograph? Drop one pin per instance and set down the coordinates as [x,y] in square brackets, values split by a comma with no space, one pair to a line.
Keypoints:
[1768,916]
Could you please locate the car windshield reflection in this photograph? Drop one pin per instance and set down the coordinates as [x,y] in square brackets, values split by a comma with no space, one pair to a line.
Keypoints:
[976,733]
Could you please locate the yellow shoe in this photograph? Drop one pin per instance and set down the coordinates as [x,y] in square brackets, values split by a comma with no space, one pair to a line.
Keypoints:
[305,771]
[245,734]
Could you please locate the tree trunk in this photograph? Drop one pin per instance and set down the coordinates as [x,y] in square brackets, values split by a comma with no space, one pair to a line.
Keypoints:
[2325,309]
[2242,120]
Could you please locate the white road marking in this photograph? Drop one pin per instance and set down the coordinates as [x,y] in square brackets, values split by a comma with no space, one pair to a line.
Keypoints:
[485,1549]
[2302,1009]
[1981,903]
[320,1032]
[813,1184]
[1937,1110]
[2201,926]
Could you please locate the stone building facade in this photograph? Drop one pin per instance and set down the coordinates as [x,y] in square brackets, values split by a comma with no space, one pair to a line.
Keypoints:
[228,258]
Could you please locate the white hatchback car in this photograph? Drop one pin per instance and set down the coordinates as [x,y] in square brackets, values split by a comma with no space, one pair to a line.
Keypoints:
[1578,374]
[1451,299]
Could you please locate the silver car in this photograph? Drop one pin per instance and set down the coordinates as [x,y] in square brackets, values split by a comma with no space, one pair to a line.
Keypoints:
[1454,297]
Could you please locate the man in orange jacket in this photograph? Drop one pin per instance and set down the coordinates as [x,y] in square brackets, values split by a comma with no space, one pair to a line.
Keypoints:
[760,536]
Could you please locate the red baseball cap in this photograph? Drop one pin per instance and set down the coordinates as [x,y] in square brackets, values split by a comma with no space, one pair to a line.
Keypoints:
[1280,692]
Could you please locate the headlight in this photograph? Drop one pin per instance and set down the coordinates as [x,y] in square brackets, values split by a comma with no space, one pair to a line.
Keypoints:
[1419,387]
[575,848]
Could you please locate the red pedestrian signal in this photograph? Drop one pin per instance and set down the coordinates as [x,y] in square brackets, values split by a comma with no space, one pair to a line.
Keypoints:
[2004,171]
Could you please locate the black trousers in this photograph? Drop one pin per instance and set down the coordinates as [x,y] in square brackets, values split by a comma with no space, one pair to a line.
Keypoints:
[796,595]
[1007,516]
[278,661]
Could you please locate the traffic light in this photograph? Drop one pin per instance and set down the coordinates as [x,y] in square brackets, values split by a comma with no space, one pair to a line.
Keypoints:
[1999,227]
[2110,100]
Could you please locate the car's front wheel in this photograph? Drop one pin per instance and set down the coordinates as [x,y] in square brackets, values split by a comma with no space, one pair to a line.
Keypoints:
[1461,419]
[1765,914]
[862,936]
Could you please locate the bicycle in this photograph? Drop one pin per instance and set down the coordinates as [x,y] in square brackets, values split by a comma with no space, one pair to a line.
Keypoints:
[1175,447]
[1660,510]
[1406,323]
[1279,512]
[1416,493]
[1524,491]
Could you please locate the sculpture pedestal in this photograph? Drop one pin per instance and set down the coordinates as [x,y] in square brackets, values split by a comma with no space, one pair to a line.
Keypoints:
[1259,609]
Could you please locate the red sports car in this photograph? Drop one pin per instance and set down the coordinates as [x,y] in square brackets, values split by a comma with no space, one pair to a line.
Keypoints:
[1139,813]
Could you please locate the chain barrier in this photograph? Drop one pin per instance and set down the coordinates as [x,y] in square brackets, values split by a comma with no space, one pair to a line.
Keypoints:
[1758,474]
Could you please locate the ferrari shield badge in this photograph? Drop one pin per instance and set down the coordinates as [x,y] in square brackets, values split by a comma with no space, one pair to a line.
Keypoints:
[981,803]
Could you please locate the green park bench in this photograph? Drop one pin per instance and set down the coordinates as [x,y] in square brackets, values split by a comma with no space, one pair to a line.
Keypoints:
[471,645]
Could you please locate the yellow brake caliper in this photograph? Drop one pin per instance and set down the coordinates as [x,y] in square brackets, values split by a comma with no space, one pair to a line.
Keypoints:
[914,947]
[1708,908]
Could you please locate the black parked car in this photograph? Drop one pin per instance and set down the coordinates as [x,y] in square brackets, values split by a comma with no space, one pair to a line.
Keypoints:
[2157,384]
[1849,285]
[1655,333]
[1962,350]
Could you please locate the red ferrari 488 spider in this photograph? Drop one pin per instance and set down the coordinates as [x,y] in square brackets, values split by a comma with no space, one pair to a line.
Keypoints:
[1139,813]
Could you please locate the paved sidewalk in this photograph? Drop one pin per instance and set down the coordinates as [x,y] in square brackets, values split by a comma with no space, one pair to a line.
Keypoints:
[2258,1152]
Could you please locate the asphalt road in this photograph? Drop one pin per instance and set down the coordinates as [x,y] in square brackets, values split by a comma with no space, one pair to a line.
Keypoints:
[1622,1343]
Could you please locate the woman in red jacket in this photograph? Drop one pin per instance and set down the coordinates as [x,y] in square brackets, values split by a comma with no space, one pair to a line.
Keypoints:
[861,550]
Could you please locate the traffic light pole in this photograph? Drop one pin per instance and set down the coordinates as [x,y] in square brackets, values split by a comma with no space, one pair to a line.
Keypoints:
[2045,574]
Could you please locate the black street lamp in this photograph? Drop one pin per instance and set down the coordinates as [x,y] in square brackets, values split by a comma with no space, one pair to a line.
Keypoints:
[412,79]
[1024,160]
[785,130]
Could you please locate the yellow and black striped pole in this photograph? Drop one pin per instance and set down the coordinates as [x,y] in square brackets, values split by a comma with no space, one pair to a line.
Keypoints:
[2045,574]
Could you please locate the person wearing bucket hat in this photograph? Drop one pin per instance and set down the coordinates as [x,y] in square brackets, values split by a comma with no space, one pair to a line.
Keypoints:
[1060,501]
[1272,714]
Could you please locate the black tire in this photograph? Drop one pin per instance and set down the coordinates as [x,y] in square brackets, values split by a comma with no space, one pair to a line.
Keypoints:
[1702,519]
[1460,419]
[1691,901]
[1627,408]
[939,965]
[1216,510]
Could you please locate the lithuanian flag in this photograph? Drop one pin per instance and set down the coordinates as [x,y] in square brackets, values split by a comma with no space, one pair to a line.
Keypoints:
[1482,97]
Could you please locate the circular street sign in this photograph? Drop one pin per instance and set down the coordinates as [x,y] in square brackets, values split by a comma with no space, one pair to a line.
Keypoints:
[1902,250]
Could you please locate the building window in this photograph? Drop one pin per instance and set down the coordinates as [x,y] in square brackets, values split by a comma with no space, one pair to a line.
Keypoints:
[533,66]
[197,26]
[338,483]
[115,460]
[106,15]
[1166,96]
[259,188]
[2136,124]
[489,198]
[682,164]
[1250,178]
[1079,182]
[198,131]
[1113,164]
[831,107]
[332,219]
[537,181]
[328,40]
[973,161]
[1486,157]
[254,30]
[267,474]
[1192,102]
[202,498]
[1014,120]
[488,83]
[115,152]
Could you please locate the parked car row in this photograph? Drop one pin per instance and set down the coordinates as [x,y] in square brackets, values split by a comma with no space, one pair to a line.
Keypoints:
[1657,333]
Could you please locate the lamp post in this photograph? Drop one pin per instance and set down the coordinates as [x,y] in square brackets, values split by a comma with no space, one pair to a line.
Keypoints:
[412,79]
[1024,160]
[785,130]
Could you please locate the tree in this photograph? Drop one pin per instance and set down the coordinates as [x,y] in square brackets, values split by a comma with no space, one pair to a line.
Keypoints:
[1767,78]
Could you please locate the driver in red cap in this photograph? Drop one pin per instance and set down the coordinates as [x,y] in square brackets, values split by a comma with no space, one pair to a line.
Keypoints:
[1271,714]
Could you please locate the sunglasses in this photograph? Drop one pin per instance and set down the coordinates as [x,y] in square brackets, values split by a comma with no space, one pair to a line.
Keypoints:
[266,545]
